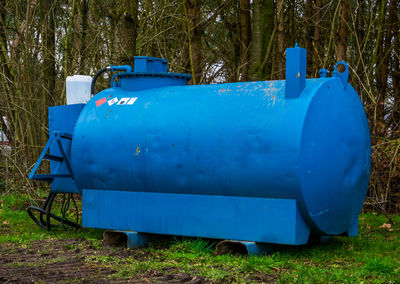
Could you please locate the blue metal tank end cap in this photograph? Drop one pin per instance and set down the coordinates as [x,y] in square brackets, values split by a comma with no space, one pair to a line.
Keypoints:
[296,68]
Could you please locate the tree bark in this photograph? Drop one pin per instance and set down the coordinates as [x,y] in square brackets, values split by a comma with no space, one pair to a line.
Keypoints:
[383,70]
[84,10]
[316,49]
[262,29]
[360,33]
[308,14]
[341,47]
[244,7]
[290,26]
[281,41]
[396,82]
[379,77]
[8,76]
[49,45]
[195,33]
[127,30]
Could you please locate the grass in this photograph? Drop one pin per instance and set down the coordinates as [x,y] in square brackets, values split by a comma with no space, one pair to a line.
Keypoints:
[22,230]
[372,257]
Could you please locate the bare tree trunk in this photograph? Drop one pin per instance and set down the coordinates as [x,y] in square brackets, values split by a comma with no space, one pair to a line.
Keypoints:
[281,41]
[360,33]
[7,76]
[244,37]
[256,54]
[308,14]
[396,82]
[341,47]
[384,55]
[262,31]
[49,38]
[380,84]
[195,33]
[316,49]
[290,27]
[127,30]
[68,42]
[84,10]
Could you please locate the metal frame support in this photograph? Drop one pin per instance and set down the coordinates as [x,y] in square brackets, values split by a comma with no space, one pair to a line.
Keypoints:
[54,136]
[242,247]
[122,238]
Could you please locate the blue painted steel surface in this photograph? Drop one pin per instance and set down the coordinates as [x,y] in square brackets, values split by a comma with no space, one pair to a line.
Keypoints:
[136,240]
[296,68]
[150,64]
[219,217]
[258,249]
[292,148]
[133,239]
[62,121]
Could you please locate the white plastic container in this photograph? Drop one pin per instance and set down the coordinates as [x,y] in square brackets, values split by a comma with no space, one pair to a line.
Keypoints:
[78,89]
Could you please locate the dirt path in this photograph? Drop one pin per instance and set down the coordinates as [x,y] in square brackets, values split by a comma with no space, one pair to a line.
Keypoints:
[66,261]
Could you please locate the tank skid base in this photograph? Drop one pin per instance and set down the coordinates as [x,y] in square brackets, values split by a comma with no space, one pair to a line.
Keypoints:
[260,220]
[133,240]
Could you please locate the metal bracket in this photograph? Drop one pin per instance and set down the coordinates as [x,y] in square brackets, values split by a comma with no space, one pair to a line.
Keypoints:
[343,76]
[243,247]
[125,239]
[54,136]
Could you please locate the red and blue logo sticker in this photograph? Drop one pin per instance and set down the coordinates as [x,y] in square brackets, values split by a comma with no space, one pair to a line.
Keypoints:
[121,101]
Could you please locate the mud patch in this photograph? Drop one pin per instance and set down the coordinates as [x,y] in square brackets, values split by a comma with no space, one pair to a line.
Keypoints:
[66,261]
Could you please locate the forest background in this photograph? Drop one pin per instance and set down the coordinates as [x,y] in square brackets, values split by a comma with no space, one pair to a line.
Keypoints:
[44,41]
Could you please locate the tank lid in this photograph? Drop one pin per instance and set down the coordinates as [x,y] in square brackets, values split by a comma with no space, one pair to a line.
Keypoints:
[150,64]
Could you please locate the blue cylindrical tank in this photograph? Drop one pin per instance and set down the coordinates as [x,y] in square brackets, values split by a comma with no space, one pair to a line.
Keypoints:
[150,132]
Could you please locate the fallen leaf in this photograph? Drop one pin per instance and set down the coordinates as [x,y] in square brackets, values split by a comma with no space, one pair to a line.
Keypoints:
[386,226]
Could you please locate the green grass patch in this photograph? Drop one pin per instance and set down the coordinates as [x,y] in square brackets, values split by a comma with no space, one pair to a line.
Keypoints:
[372,257]
[17,227]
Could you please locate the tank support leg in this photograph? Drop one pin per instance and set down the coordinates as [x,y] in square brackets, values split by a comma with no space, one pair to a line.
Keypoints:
[353,231]
[242,247]
[125,238]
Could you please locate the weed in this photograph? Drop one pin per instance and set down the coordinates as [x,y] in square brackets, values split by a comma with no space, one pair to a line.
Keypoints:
[382,266]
